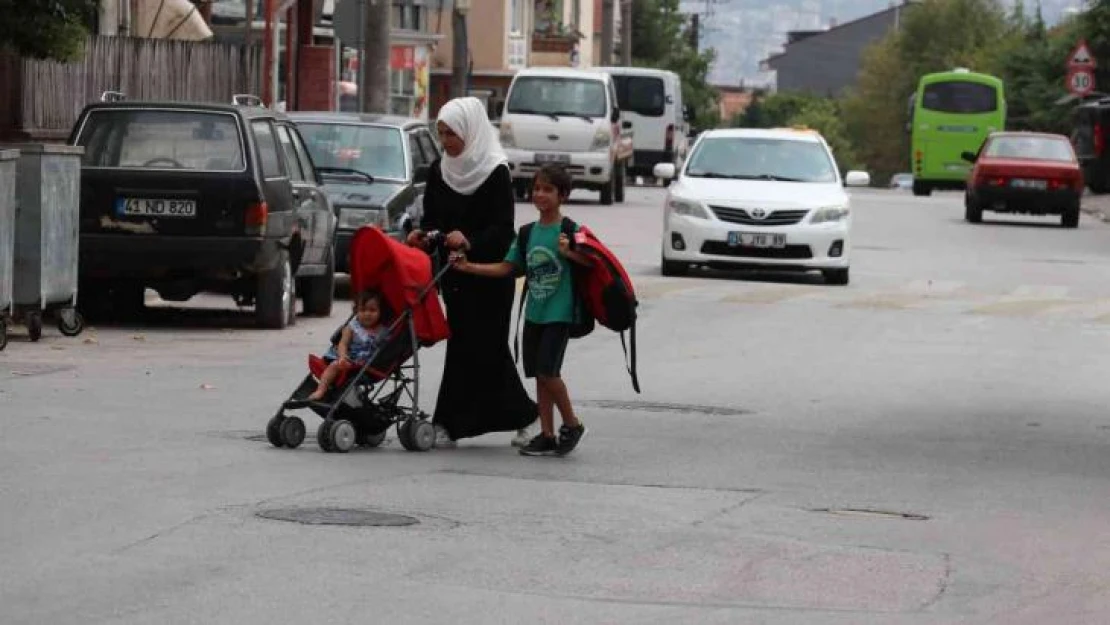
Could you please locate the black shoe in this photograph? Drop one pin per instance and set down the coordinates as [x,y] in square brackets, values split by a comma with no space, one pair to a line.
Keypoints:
[569,438]
[540,445]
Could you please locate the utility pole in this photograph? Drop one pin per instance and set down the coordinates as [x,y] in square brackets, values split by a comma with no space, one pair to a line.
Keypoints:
[374,90]
[460,52]
[694,20]
[626,33]
[606,33]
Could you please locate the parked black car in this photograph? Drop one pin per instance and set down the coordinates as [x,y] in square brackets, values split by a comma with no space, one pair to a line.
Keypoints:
[188,197]
[391,156]
[1089,138]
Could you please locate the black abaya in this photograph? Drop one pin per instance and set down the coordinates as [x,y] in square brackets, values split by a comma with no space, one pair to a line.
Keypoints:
[481,390]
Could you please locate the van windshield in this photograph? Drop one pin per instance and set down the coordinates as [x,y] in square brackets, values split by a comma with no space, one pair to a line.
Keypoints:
[551,95]
[640,94]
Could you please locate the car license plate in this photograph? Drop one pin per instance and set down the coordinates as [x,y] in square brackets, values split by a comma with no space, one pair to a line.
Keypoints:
[1026,183]
[153,207]
[552,158]
[756,239]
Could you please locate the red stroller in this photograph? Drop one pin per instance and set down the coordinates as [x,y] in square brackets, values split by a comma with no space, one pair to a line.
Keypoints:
[383,391]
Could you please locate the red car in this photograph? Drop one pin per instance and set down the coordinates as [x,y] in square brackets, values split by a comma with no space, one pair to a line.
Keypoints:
[1024,172]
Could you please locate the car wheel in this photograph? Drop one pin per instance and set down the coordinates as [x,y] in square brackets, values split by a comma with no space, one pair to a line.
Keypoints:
[1070,218]
[319,291]
[607,190]
[673,268]
[275,306]
[838,277]
[973,211]
[619,176]
[1097,184]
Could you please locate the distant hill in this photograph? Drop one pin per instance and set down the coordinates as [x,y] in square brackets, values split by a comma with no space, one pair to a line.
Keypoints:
[744,32]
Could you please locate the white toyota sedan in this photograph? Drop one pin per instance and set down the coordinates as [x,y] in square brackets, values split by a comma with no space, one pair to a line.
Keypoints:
[757,198]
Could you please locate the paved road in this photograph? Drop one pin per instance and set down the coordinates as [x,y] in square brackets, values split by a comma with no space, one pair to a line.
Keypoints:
[926,445]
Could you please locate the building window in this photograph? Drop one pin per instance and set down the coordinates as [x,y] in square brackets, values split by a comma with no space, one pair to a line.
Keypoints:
[516,16]
[408,16]
[549,16]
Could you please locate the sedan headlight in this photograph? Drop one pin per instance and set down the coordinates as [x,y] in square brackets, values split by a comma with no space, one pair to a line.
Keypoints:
[602,138]
[507,139]
[355,218]
[829,214]
[689,208]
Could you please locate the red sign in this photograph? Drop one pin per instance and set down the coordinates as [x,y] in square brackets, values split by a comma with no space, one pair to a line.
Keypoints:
[1081,81]
[1081,57]
[402,58]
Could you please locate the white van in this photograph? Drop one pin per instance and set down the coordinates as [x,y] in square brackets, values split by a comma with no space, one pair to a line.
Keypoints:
[652,100]
[570,117]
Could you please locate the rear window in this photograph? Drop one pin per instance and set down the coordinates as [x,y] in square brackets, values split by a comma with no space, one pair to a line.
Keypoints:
[641,94]
[152,139]
[1035,148]
[959,97]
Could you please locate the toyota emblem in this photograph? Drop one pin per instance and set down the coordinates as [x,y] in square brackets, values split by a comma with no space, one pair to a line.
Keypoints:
[759,213]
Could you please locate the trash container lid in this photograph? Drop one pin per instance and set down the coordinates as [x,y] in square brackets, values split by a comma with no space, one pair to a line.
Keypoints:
[44,148]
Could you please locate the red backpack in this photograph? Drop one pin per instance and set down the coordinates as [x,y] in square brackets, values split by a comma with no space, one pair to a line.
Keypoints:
[603,290]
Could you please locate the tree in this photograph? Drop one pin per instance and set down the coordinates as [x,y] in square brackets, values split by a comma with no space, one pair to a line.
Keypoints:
[823,115]
[661,38]
[775,110]
[47,29]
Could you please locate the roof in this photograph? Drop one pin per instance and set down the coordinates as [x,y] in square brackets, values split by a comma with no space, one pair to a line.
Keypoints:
[215,107]
[635,71]
[797,134]
[356,118]
[1028,133]
[811,35]
[568,72]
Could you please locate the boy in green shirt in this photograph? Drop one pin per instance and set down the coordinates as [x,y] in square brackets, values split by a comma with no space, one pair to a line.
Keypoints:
[549,311]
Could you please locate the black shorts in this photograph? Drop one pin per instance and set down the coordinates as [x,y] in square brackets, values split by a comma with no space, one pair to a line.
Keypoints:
[544,347]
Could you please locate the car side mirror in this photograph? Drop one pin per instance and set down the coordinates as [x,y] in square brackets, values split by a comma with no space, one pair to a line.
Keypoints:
[420,174]
[857,179]
[970,157]
[615,116]
[664,171]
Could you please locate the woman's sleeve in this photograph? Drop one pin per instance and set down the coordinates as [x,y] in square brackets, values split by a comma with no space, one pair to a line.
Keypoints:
[494,233]
[432,217]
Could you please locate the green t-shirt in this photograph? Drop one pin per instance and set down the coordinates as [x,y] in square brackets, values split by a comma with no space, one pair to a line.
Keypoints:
[550,292]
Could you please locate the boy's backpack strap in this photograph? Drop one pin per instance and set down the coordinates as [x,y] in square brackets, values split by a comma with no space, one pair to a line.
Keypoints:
[522,237]
[631,367]
[569,227]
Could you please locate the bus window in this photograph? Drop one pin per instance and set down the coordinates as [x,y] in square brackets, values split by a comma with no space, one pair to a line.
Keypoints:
[959,97]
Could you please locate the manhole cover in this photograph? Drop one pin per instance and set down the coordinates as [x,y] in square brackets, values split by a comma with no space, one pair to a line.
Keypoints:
[338,516]
[646,406]
[880,514]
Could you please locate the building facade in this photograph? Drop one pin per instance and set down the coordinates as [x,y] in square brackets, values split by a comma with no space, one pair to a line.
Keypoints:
[826,62]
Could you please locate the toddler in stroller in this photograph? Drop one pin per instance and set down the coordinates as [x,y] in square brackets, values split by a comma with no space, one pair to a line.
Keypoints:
[381,388]
[358,340]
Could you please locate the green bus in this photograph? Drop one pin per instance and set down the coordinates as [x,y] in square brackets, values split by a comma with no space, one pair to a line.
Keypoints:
[950,113]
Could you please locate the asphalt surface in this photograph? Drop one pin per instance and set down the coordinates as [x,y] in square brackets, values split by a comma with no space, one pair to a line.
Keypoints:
[926,445]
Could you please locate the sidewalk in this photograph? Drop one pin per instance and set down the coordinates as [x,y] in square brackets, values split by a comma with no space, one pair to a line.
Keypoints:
[1096,205]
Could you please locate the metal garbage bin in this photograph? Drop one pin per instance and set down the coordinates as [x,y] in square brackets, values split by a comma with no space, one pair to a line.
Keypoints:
[47,216]
[8,163]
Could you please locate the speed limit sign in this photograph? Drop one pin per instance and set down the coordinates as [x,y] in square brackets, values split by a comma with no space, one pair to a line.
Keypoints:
[1081,81]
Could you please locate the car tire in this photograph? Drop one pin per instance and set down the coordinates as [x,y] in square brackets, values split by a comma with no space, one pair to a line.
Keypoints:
[319,291]
[973,211]
[921,189]
[275,306]
[673,268]
[1070,218]
[607,190]
[619,176]
[838,277]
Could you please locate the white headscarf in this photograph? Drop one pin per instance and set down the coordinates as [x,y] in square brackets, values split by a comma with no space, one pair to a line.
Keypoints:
[467,171]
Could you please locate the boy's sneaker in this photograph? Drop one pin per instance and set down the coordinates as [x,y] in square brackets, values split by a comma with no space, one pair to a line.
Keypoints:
[525,434]
[443,439]
[569,438]
[540,445]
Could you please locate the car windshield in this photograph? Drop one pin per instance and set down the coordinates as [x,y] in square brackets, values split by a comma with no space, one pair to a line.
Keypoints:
[374,150]
[760,158]
[549,95]
[162,139]
[1035,148]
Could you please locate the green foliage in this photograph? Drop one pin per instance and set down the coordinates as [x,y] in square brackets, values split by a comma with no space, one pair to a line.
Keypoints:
[776,110]
[824,116]
[46,29]
[661,38]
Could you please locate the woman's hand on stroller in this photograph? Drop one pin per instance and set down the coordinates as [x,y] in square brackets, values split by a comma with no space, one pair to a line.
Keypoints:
[458,260]
[456,241]
[417,238]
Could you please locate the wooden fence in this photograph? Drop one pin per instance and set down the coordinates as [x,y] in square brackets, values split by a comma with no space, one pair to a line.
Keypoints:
[40,100]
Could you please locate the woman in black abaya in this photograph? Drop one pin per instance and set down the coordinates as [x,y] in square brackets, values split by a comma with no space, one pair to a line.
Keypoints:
[469,197]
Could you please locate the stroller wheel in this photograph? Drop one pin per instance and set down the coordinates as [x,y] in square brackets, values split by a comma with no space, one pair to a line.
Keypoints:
[292,432]
[417,435]
[273,431]
[371,440]
[323,435]
[342,436]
